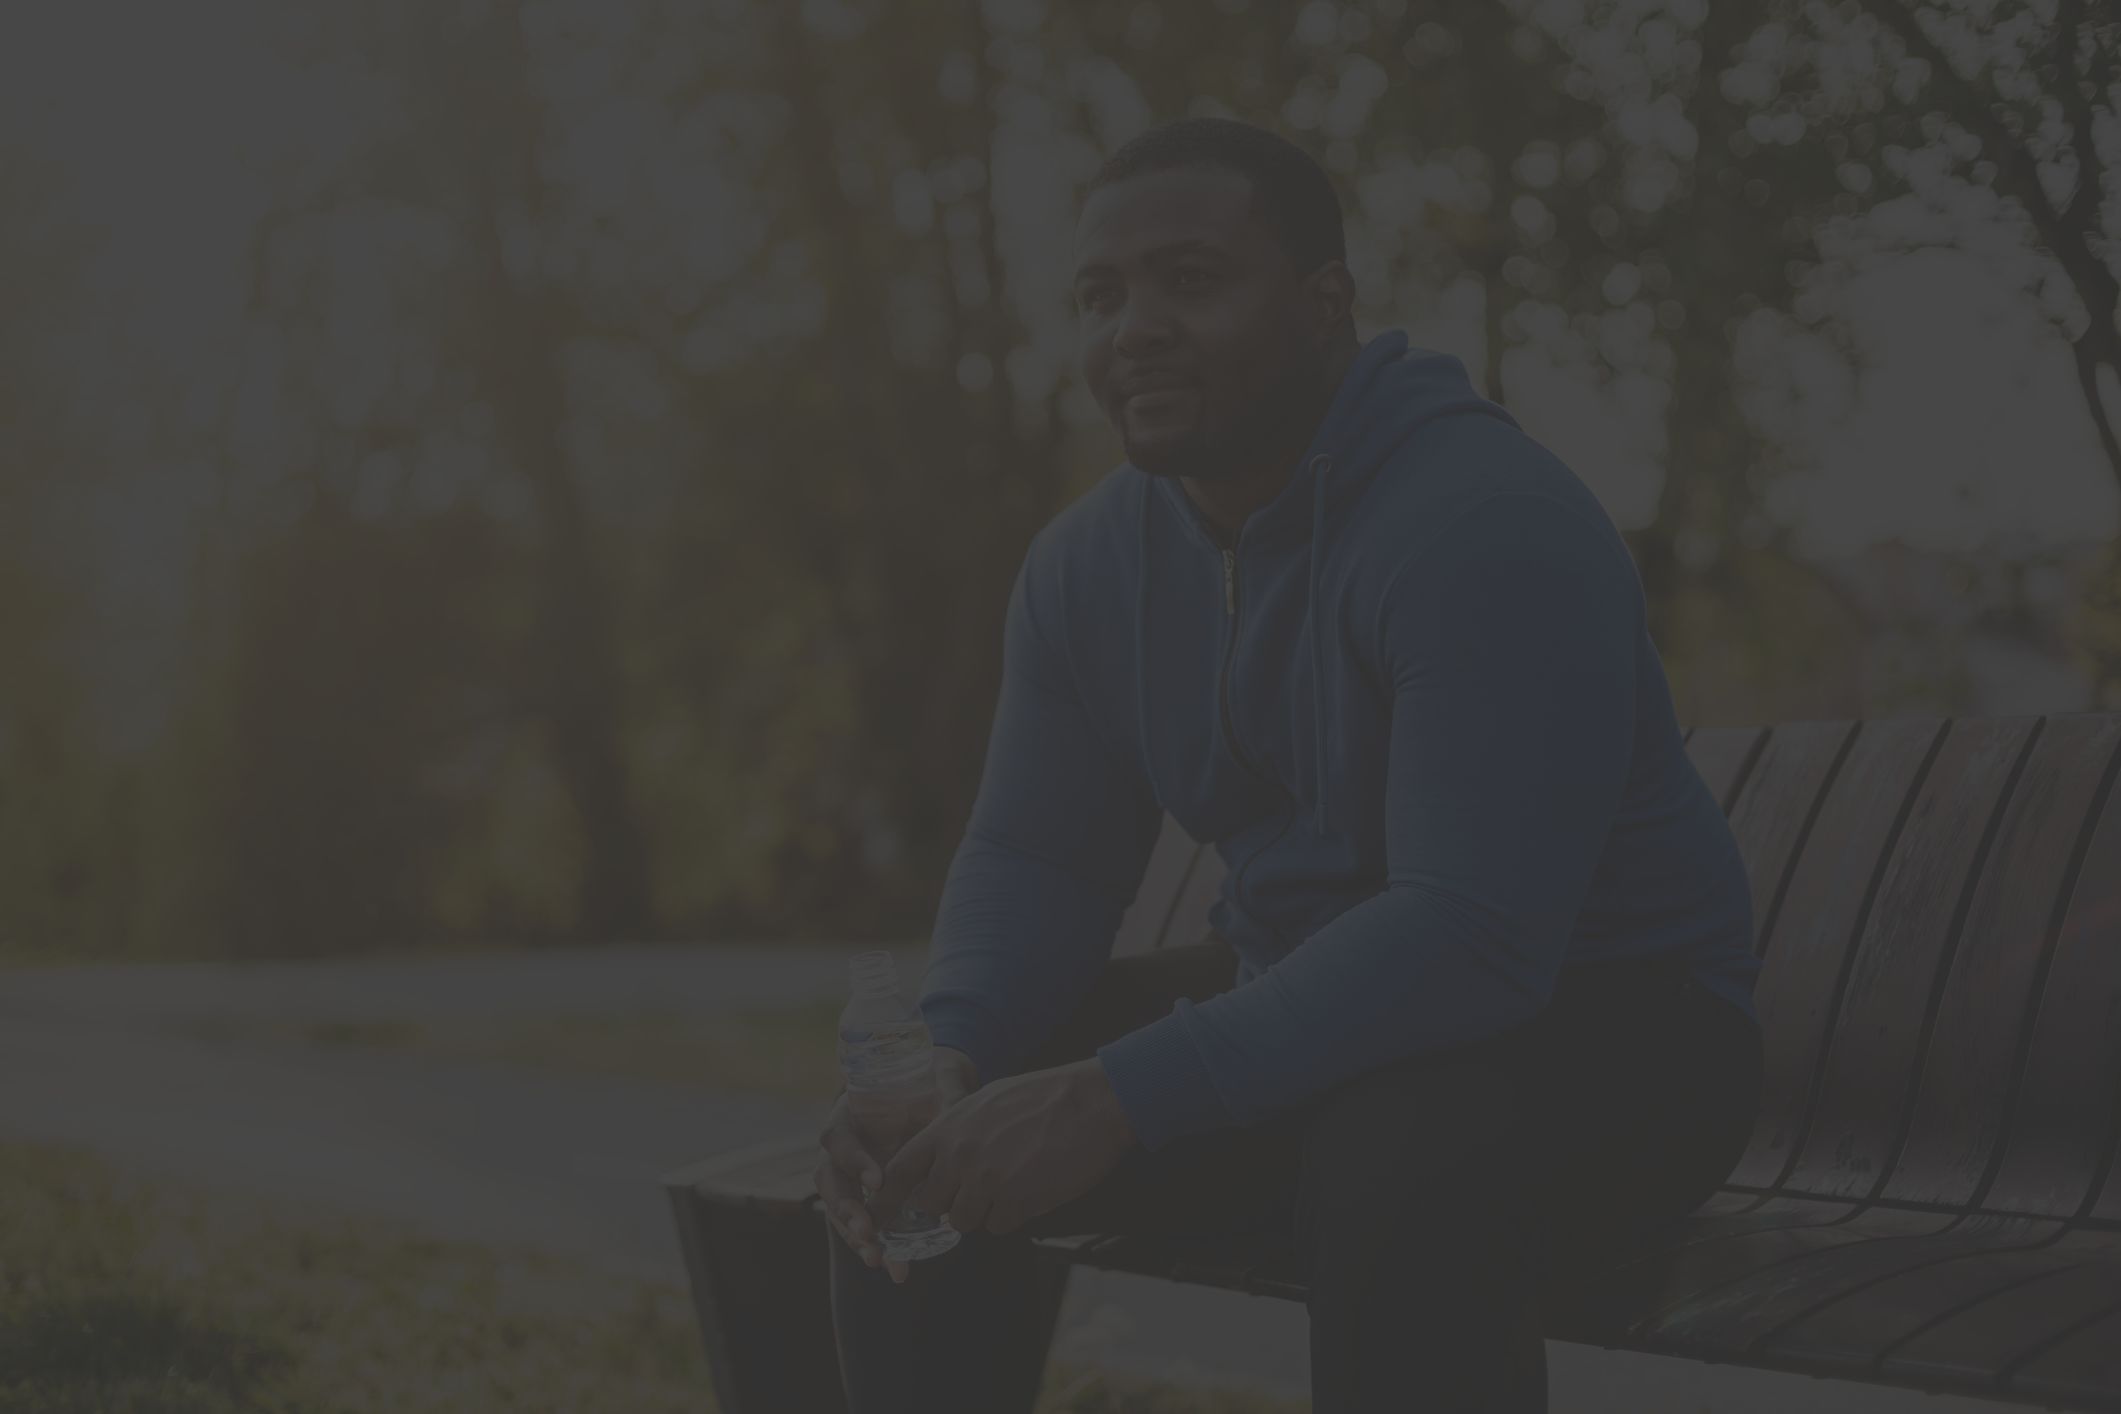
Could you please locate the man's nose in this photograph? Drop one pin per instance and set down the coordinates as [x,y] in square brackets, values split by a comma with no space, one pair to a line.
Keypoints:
[1145,323]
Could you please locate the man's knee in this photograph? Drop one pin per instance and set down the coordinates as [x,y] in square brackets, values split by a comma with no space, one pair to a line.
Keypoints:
[1412,1152]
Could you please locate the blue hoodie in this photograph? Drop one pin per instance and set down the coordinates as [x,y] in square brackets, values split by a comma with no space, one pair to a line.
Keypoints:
[1417,711]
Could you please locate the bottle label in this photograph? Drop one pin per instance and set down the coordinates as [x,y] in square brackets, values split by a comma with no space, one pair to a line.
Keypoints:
[891,1091]
[884,1055]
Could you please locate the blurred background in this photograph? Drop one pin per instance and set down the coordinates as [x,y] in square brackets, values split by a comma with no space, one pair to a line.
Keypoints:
[550,472]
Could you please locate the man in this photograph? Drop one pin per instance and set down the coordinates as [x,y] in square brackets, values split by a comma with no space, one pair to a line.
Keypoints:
[1491,936]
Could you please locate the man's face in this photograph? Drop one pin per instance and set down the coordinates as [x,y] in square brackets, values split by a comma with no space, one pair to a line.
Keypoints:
[1194,334]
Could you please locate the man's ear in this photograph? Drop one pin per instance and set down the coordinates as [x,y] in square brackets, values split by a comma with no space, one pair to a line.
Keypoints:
[1329,296]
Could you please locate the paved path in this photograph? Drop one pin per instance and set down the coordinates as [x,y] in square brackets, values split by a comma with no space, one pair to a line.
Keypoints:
[116,1060]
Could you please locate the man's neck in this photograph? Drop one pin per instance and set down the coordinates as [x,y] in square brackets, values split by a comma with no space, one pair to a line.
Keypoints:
[1229,503]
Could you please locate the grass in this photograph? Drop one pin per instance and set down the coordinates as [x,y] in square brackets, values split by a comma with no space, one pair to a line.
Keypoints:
[786,1053]
[121,1297]
[117,1297]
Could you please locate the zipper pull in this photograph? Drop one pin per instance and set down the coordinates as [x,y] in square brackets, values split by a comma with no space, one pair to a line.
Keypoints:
[1230,582]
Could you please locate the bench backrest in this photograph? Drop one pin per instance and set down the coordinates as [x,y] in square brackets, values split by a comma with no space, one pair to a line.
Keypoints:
[1938,912]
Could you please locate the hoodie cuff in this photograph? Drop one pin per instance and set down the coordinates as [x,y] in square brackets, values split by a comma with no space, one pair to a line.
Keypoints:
[1163,1083]
[963,1025]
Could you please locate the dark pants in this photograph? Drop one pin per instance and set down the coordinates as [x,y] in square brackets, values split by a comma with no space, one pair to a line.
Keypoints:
[1429,1204]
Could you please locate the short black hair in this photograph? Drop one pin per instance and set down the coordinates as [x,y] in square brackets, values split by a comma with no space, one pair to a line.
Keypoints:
[1289,189]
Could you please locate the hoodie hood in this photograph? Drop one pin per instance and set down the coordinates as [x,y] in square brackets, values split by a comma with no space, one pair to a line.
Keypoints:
[1390,390]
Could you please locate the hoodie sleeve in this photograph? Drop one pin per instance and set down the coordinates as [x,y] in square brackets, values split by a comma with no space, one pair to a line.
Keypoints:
[1511,653]
[1059,838]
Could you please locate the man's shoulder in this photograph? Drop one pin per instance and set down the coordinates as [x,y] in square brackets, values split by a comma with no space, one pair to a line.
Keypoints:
[1081,538]
[1463,473]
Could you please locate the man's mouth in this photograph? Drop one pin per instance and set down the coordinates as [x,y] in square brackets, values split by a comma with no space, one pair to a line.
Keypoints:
[1155,383]
[1152,397]
[1162,407]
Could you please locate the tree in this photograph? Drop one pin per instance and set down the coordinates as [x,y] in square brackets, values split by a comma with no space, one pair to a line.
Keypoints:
[460,169]
[66,854]
[2027,101]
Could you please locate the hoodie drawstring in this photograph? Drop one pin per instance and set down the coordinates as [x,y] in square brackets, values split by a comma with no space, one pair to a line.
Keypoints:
[1320,466]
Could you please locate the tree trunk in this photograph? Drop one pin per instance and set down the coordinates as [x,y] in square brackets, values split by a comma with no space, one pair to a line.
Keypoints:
[522,333]
[1708,445]
[1494,294]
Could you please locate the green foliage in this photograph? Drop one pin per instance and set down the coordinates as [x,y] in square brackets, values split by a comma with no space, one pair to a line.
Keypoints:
[54,880]
[353,744]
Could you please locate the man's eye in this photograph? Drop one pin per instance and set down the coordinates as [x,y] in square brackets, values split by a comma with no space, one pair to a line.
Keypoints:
[1190,277]
[1095,299]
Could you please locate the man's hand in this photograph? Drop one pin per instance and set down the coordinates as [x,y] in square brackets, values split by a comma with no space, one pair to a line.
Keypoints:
[847,1168]
[1019,1148]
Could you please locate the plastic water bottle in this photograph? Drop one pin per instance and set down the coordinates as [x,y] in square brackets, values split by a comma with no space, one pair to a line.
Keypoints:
[888,1061]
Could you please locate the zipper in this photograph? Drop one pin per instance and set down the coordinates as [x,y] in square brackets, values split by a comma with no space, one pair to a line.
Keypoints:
[1229,655]
[1237,884]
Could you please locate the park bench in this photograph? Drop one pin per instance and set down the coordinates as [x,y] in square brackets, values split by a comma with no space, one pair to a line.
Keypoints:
[1930,1198]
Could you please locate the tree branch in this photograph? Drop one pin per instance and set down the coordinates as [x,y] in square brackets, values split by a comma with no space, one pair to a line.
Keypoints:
[1977,109]
[2084,202]
[2088,365]
[1975,104]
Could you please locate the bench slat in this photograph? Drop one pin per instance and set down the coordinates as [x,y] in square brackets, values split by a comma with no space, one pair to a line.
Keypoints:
[1765,1212]
[1908,935]
[1964,1094]
[2063,1119]
[1711,1282]
[2084,1367]
[1799,989]
[775,1175]
[1773,803]
[1854,1330]
[1755,1310]
[2013,1324]
[1776,804]
[1143,926]
[1724,756]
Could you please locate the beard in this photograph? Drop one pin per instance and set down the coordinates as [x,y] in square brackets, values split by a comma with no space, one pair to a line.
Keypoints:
[1227,445]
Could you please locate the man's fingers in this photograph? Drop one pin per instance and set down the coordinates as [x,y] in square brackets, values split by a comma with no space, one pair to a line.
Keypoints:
[836,1185]
[967,1210]
[847,1151]
[860,1234]
[844,1211]
[908,1168]
[938,1194]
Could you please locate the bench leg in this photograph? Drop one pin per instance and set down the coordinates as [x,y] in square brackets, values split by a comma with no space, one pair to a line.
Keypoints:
[761,1292]
[758,1288]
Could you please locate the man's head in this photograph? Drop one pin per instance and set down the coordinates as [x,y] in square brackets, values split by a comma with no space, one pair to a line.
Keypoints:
[1212,296]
